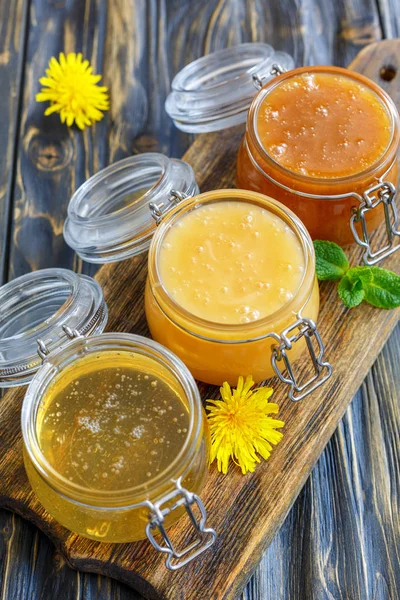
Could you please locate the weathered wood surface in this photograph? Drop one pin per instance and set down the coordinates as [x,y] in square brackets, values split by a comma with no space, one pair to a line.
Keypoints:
[324,548]
[13,25]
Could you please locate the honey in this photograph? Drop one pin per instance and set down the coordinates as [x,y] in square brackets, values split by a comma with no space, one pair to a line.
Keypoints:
[220,262]
[317,139]
[113,430]
[250,245]
[323,125]
[97,422]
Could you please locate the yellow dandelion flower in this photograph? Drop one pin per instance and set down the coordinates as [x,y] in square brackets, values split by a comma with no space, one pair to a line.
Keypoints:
[72,90]
[240,426]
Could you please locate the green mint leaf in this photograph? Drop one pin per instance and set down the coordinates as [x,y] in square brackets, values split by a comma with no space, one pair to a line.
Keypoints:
[351,292]
[330,261]
[381,287]
[364,274]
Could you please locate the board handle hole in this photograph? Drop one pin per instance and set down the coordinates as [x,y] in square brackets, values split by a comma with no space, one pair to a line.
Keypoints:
[388,72]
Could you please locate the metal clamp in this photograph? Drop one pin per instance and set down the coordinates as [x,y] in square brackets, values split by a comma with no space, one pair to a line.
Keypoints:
[205,536]
[381,193]
[259,82]
[276,69]
[158,211]
[302,328]
[43,350]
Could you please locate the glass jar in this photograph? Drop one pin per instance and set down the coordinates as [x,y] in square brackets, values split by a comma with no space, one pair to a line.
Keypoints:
[215,352]
[53,310]
[342,209]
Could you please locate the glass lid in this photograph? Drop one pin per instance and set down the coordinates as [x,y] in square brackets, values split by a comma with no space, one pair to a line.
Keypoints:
[34,309]
[109,217]
[215,91]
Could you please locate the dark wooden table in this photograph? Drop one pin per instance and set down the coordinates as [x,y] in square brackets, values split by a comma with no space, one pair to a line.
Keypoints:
[341,538]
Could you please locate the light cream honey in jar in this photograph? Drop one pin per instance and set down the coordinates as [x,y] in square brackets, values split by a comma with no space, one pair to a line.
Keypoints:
[229,272]
[115,437]
[322,140]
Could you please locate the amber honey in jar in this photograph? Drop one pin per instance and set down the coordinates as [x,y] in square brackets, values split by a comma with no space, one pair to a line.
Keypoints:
[231,284]
[321,140]
[318,138]
[115,437]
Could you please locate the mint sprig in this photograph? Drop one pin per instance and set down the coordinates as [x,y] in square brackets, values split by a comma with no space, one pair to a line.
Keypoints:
[379,287]
[351,293]
[330,261]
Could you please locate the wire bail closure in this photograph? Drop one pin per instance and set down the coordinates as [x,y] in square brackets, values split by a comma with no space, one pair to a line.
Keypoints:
[205,536]
[259,82]
[43,350]
[381,193]
[158,211]
[302,328]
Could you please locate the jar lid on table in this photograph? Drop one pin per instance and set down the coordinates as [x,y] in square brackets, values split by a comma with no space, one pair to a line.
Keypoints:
[39,313]
[215,91]
[109,216]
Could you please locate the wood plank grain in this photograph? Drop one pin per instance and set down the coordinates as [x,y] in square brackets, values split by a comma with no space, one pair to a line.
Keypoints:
[258,503]
[54,160]
[13,22]
[33,570]
[389,16]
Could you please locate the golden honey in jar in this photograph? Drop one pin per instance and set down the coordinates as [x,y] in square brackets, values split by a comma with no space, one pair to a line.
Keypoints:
[226,270]
[107,426]
[317,138]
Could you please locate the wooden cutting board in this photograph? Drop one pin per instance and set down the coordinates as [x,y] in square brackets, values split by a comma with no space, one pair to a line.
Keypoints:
[246,511]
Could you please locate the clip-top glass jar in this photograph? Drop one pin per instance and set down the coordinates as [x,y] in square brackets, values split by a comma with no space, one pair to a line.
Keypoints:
[115,437]
[322,140]
[262,336]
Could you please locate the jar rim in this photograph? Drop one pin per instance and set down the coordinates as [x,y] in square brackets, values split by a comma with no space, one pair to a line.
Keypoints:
[62,276]
[98,179]
[124,497]
[215,91]
[387,156]
[36,306]
[251,330]
[109,217]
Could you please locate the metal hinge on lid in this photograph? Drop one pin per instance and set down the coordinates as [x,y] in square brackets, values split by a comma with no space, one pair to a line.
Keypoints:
[43,350]
[204,536]
[307,329]
[158,211]
[259,82]
[381,193]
